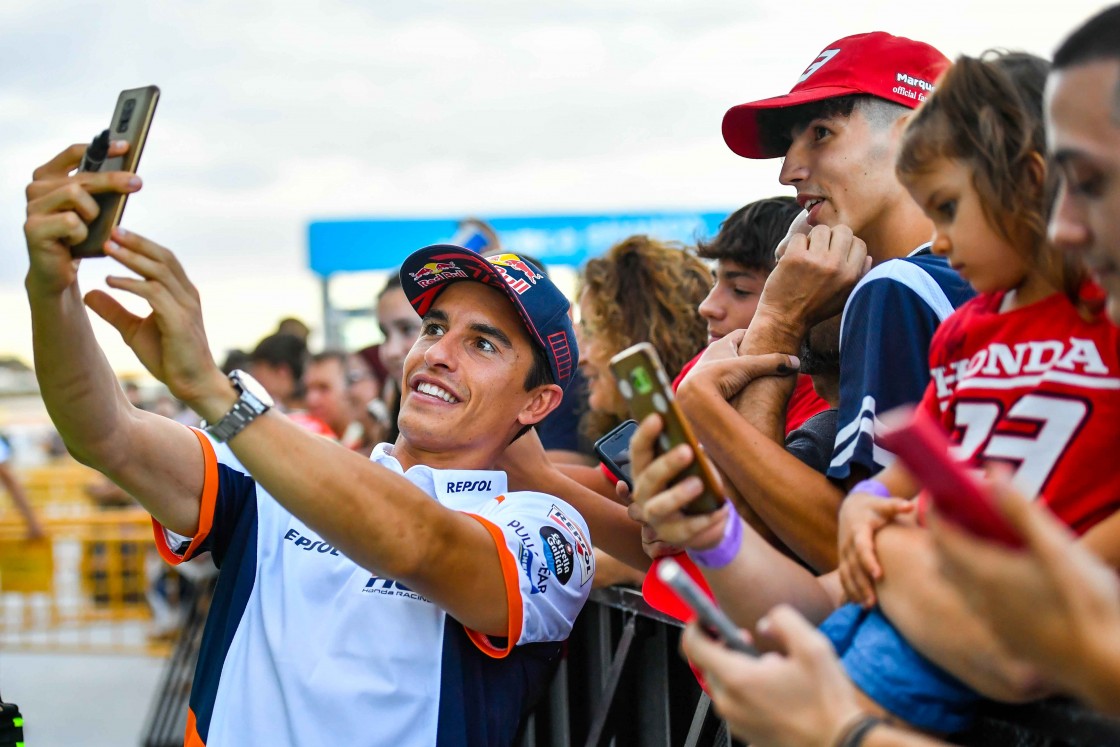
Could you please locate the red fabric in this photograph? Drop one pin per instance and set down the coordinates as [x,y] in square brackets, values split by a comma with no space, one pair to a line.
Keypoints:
[804,403]
[1037,388]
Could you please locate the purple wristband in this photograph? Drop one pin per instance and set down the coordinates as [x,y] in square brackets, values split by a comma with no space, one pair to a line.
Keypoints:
[726,550]
[874,487]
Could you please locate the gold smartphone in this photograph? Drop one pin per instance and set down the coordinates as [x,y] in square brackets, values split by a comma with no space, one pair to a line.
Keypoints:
[131,121]
[643,383]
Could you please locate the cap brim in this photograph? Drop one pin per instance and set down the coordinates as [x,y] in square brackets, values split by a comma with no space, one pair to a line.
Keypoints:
[741,130]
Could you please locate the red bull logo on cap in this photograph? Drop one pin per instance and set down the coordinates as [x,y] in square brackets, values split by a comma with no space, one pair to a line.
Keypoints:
[514,262]
[436,272]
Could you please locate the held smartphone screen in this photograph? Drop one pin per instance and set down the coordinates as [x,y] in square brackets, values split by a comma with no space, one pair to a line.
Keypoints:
[613,450]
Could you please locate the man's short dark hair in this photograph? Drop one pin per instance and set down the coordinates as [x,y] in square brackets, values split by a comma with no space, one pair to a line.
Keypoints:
[282,350]
[332,354]
[1097,39]
[779,125]
[749,235]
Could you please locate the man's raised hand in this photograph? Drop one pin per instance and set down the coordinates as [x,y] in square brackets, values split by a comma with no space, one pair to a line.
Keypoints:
[60,204]
[171,341]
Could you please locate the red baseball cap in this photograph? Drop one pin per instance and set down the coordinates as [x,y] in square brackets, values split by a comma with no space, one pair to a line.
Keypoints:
[891,67]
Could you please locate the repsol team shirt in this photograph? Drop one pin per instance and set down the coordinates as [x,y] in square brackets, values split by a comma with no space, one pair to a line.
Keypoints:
[1037,388]
[304,647]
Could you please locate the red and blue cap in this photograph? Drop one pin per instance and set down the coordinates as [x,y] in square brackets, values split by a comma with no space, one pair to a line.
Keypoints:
[878,64]
[540,304]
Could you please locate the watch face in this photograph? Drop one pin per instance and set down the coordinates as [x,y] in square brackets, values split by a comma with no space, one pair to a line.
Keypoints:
[251,386]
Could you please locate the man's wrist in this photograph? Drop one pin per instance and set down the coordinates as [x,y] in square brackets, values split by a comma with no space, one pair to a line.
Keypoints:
[773,331]
[215,400]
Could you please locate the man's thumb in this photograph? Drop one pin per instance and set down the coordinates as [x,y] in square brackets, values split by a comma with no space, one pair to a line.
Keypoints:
[111,310]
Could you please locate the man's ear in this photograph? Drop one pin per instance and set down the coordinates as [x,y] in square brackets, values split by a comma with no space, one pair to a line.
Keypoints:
[543,400]
[1036,170]
[899,126]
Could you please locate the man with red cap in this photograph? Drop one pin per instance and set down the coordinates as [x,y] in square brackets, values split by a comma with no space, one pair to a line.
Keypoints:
[838,131]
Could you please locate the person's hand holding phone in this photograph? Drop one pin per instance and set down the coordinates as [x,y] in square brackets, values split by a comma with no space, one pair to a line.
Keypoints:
[659,503]
[60,206]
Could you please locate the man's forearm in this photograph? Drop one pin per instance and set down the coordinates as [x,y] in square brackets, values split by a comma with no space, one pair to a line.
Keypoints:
[78,386]
[611,527]
[936,621]
[153,458]
[797,503]
[760,577]
[763,401]
[378,519]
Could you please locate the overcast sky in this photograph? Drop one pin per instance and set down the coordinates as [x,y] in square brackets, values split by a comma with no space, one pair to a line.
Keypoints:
[275,113]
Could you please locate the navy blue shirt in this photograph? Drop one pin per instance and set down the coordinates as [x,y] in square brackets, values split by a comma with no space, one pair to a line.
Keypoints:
[885,333]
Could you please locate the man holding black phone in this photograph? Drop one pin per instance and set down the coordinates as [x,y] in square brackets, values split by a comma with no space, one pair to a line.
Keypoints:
[408,599]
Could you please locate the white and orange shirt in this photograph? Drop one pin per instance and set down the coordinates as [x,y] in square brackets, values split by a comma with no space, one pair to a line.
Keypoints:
[302,646]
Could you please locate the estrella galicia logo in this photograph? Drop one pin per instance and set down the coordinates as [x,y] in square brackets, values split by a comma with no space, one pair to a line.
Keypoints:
[557,553]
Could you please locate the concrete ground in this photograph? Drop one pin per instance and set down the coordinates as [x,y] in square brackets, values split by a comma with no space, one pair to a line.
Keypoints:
[94,700]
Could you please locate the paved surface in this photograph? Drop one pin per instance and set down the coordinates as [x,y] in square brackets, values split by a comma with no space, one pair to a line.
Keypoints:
[85,699]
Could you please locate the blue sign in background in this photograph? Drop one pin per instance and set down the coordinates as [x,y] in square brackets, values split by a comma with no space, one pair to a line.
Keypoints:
[382,244]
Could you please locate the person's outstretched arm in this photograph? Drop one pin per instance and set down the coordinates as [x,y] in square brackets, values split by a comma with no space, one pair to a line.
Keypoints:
[796,502]
[151,457]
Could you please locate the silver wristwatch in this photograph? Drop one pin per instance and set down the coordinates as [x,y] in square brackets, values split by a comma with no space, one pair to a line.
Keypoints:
[253,401]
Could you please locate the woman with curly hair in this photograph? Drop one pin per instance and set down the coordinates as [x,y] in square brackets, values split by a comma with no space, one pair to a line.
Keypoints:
[641,290]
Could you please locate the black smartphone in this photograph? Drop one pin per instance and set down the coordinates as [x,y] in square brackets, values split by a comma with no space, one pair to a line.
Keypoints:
[613,450]
[642,381]
[131,121]
[711,618]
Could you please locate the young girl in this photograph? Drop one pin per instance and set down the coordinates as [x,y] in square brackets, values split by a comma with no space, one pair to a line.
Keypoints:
[1026,374]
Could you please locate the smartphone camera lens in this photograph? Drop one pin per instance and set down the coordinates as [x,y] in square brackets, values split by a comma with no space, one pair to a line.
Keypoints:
[126,115]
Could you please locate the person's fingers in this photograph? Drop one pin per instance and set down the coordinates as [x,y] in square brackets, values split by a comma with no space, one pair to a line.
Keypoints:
[67,228]
[707,655]
[841,240]
[165,264]
[66,196]
[793,635]
[1042,532]
[734,338]
[622,492]
[641,445]
[62,164]
[864,545]
[637,512]
[856,253]
[111,310]
[670,501]
[657,474]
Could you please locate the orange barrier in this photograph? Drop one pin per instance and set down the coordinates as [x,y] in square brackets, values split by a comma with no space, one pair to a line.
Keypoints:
[83,588]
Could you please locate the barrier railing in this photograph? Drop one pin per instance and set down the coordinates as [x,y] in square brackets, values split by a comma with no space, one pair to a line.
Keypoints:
[84,588]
